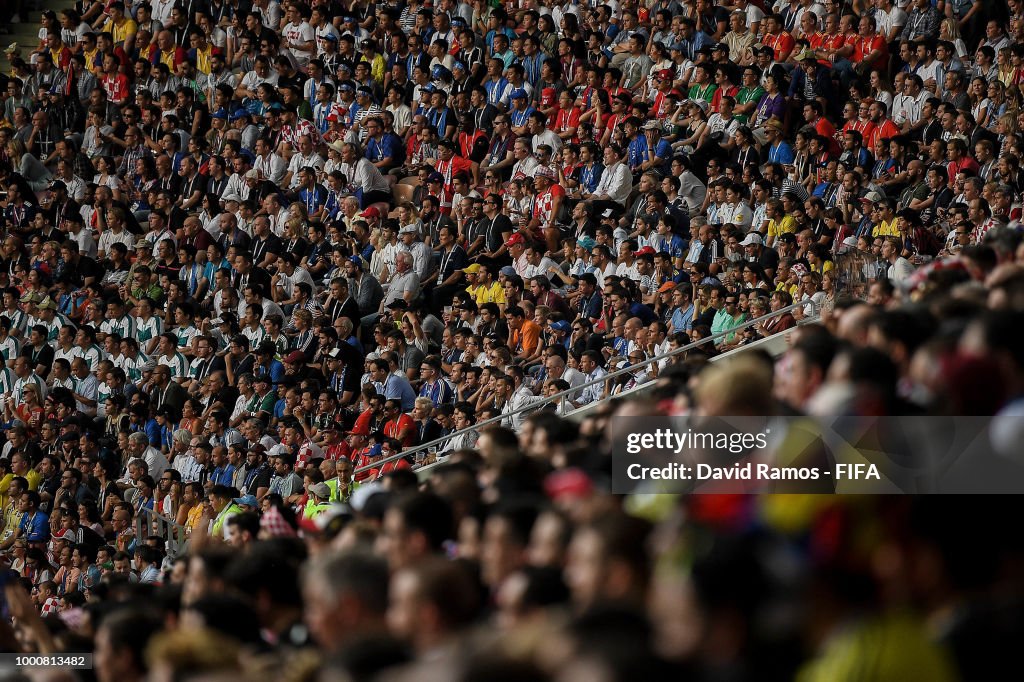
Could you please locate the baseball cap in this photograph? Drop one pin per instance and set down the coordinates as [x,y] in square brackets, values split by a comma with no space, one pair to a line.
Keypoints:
[295,358]
[561,326]
[237,114]
[475,267]
[517,238]
[752,239]
[508,271]
[321,490]
[667,286]
[872,197]
[220,113]
[408,229]
[436,177]
[246,501]
[547,96]
[665,74]
[544,172]
[360,429]
[518,93]
[371,212]
[646,251]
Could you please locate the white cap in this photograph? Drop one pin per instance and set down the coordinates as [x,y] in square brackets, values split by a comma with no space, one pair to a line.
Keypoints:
[752,239]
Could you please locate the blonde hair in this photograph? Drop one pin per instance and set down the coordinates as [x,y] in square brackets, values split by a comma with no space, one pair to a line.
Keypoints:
[16,149]
[194,651]
[952,27]
[1009,121]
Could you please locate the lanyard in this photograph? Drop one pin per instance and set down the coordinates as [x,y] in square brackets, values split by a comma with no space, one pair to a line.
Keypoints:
[444,263]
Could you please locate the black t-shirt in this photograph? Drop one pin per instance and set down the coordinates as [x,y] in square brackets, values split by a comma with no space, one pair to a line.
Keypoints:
[43,356]
[86,267]
[769,259]
[495,231]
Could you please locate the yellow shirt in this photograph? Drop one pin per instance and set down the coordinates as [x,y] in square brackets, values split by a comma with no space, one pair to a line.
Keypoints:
[828,265]
[492,294]
[33,477]
[377,67]
[167,57]
[781,227]
[203,58]
[789,289]
[122,32]
[193,517]
[886,229]
[90,59]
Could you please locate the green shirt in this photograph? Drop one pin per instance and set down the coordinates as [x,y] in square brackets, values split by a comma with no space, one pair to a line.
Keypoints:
[226,513]
[746,96]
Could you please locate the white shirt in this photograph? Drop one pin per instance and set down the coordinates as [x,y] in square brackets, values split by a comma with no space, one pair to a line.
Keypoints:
[616,182]
[549,138]
[299,162]
[299,33]
[273,167]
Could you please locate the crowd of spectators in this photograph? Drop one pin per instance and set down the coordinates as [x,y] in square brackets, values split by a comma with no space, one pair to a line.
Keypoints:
[253,252]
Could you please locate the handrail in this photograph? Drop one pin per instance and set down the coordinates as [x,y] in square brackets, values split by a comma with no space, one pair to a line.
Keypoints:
[561,395]
[151,522]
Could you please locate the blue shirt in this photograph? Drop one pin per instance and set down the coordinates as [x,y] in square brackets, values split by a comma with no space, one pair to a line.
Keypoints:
[35,527]
[645,314]
[276,371]
[313,199]
[781,153]
[590,177]
[398,387]
[519,117]
[223,475]
[682,320]
[637,151]
[676,247]
[387,147]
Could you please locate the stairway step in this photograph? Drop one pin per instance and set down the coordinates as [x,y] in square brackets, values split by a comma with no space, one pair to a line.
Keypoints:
[26,34]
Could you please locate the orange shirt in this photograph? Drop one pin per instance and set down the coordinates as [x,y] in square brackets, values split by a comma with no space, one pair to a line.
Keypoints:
[525,339]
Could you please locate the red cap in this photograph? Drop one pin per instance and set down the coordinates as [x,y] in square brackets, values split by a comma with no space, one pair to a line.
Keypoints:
[332,116]
[295,358]
[646,251]
[568,484]
[547,96]
[665,74]
[517,238]
[371,212]
[360,429]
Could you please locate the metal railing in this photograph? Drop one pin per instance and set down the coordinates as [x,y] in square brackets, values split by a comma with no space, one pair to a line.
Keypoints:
[149,522]
[563,395]
[852,270]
